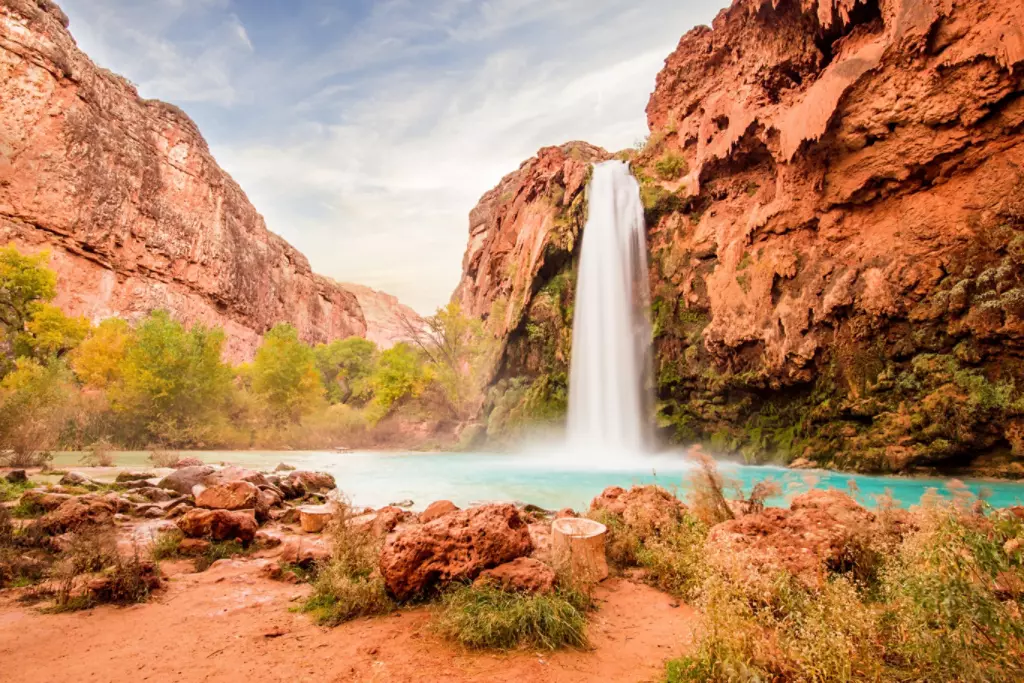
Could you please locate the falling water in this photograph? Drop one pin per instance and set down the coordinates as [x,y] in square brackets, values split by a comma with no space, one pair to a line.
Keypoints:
[609,383]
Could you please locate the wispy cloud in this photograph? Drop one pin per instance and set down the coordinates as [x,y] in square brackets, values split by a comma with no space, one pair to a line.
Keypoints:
[365,133]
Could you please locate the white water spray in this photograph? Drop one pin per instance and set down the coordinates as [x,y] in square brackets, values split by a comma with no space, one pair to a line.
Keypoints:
[609,383]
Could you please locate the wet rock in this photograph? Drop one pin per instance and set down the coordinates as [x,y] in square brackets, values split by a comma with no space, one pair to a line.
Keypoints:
[219,525]
[77,513]
[16,477]
[235,495]
[183,480]
[456,547]
[308,482]
[521,575]
[644,509]
[822,530]
[437,509]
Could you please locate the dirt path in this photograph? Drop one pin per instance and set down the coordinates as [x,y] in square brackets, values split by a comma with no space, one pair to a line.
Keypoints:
[232,624]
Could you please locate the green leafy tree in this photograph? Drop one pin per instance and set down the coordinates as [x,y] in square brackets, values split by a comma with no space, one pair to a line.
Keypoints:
[345,367]
[25,283]
[284,374]
[173,385]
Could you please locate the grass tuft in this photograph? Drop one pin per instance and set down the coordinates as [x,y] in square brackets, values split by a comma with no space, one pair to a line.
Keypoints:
[488,618]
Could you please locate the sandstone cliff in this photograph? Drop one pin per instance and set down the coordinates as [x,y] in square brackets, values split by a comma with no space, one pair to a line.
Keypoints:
[835,195]
[388,320]
[136,212]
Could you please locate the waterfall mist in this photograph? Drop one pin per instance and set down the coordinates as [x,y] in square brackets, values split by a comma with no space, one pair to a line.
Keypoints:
[610,391]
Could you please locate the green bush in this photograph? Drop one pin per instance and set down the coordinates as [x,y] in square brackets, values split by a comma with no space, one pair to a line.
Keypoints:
[488,618]
[671,167]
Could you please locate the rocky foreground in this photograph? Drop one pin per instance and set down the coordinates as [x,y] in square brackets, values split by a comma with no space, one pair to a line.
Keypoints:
[254,538]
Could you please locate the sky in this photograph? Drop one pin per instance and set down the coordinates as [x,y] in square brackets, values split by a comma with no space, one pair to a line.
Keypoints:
[365,131]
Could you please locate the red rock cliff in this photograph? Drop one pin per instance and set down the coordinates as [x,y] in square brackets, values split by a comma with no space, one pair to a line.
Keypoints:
[835,196]
[136,212]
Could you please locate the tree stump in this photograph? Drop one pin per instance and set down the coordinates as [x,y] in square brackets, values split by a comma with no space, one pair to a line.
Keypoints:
[578,548]
[313,518]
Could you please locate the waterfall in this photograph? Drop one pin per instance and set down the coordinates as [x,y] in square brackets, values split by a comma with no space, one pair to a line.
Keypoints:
[610,393]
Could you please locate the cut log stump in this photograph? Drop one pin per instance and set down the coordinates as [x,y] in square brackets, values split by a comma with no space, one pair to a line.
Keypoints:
[577,545]
[313,518]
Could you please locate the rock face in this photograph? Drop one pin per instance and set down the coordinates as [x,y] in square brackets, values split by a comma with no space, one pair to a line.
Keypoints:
[835,205]
[455,547]
[388,320]
[134,209]
[822,530]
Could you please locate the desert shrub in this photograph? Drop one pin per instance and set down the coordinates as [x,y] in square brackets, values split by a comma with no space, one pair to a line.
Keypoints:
[219,550]
[13,490]
[165,545]
[159,458]
[98,455]
[127,581]
[488,618]
[671,167]
[348,585]
[707,490]
[622,543]
[675,560]
[121,580]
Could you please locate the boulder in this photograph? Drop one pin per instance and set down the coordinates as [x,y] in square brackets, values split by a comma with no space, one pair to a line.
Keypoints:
[153,494]
[182,463]
[309,482]
[75,479]
[822,530]
[314,518]
[456,547]
[283,467]
[645,510]
[76,513]
[44,500]
[521,575]
[184,479]
[565,513]
[304,552]
[231,474]
[436,510]
[126,477]
[235,495]
[219,525]
[16,477]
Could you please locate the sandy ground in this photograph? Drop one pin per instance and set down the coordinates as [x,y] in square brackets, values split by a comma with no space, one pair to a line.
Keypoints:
[232,624]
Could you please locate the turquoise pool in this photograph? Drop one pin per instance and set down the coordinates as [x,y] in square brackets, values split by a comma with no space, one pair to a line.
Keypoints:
[377,479]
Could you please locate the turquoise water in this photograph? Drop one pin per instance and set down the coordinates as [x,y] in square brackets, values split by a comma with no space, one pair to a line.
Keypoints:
[377,479]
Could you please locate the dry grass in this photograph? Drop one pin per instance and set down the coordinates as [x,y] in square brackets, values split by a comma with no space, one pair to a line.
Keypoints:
[707,494]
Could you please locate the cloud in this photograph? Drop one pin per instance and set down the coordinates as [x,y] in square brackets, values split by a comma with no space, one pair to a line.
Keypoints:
[366,132]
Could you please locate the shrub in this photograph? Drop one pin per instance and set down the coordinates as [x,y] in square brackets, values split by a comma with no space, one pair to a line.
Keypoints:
[348,585]
[675,560]
[13,490]
[165,546]
[707,493]
[671,167]
[487,618]
[98,455]
[160,458]
[622,544]
[219,550]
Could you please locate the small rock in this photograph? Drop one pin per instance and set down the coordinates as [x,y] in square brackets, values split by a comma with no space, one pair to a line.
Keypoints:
[193,546]
[44,499]
[188,462]
[282,467]
[125,477]
[437,509]
[565,513]
[314,518]
[304,552]
[310,482]
[268,539]
[219,525]
[521,575]
[406,504]
[76,513]
[17,477]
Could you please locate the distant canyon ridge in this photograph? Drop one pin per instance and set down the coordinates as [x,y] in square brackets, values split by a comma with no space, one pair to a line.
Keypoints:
[135,211]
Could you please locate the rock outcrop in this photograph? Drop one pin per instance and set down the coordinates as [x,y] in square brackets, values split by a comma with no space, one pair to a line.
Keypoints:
[835,203]
[388,320]
[132,206]
[456,547]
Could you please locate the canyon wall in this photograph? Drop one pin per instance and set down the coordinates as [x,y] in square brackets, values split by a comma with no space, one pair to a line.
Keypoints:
[135,211]
[388,320]
[835,204]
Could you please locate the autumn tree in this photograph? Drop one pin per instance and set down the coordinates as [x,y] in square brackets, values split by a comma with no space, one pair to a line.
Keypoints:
[97,360]
[345,366]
